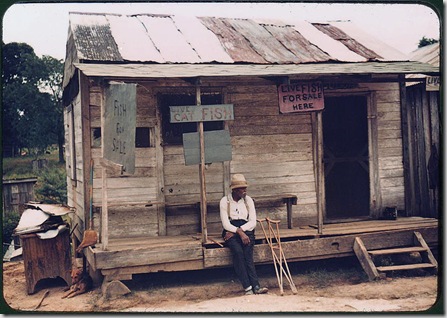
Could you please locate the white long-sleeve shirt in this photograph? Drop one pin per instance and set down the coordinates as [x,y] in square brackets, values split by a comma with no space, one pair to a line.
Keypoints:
[238,211]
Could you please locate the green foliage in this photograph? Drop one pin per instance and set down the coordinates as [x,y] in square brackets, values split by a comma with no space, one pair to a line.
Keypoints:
[32,95]
[51,186]
[9,224]
[426,41]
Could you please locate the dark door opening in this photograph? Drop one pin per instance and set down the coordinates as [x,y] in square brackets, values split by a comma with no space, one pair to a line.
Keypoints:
[346,159]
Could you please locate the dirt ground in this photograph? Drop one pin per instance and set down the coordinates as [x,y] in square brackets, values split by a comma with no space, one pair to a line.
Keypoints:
[324,286]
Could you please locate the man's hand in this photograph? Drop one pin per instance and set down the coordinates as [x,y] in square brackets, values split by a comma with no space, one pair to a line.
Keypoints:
[245,239]
[228,235]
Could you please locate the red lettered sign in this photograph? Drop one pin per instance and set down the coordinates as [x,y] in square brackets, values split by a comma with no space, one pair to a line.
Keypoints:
[300,97]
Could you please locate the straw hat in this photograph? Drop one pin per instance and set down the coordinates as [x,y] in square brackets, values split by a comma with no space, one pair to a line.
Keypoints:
[238,181]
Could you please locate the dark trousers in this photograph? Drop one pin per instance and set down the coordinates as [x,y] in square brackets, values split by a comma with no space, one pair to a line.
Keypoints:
[243,259]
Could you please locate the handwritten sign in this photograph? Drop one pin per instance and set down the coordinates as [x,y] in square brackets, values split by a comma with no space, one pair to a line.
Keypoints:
[186,114]
[300,97]
[119,125]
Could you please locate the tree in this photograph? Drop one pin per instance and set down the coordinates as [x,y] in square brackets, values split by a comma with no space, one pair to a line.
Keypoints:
[32,108]
[53,85]
[426,41]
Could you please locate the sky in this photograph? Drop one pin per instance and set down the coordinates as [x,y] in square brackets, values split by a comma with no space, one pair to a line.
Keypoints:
[44,26]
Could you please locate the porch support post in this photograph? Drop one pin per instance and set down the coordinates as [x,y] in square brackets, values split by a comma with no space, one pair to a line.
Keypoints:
[203,203]
[406,147]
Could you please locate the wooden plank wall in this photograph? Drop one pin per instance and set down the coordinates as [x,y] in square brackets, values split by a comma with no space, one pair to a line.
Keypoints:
[128,220]
[273,151]
[391,176]
[75,187]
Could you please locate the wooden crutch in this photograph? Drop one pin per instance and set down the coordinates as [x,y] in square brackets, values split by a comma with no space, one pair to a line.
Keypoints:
[277,261]
[282,257]
[274,256]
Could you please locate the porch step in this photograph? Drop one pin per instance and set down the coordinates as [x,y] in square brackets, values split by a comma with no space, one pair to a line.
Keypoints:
[404,267]
[402,250]
[366,257]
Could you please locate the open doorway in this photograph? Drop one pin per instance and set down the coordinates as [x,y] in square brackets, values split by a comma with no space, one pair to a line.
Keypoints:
[346,157]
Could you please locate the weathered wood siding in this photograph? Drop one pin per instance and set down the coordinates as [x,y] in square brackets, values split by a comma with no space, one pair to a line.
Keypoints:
[75,183]
[15,194]
[273,151]
[389,134]
[128,216]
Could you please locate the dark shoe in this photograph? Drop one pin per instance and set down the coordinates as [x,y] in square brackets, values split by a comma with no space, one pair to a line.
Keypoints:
[260,290]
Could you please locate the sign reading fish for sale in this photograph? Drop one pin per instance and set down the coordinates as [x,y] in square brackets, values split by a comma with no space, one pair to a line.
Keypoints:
[300,97]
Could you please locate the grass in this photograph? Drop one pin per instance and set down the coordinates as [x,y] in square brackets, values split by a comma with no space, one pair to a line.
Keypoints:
[22,167]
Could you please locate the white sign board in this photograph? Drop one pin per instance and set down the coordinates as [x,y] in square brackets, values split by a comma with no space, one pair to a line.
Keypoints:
[118,131]
[186,114]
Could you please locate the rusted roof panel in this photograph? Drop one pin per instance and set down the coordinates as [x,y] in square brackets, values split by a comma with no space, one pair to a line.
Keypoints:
[335,49]
[350,43]
[203,41]
[304,51]
[233,42]
[174,39]
[387,52]
[93,38]
[262,41]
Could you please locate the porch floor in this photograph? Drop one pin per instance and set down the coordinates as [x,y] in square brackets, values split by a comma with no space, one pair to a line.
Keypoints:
[127,256]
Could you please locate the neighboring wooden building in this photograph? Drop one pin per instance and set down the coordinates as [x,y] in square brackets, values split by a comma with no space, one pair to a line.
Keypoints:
[16,193]
[424,151]
[346,162]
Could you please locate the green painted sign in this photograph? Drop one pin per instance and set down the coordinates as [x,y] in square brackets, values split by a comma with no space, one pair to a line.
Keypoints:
[217,147]
[119,125]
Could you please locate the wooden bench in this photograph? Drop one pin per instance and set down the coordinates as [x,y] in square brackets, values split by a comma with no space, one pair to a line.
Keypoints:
[286,198]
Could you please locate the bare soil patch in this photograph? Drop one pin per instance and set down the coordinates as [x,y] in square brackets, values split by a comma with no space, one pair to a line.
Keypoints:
[323,286]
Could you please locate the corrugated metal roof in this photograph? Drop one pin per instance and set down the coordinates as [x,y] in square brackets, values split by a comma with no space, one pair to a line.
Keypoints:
[174,39]
[227,70]
[427,54]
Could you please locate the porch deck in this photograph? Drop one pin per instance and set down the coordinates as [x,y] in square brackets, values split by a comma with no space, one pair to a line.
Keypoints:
[127,256]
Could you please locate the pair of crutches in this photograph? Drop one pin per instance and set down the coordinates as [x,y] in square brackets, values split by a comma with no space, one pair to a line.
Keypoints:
[277,254]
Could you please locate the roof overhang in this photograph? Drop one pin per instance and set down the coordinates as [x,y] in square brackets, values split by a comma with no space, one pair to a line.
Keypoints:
[156,71]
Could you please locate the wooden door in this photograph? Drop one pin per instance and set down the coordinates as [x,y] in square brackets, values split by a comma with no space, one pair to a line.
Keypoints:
[346,158]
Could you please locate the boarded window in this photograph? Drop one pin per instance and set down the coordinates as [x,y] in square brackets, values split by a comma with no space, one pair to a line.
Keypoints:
[172,133]
[142,137]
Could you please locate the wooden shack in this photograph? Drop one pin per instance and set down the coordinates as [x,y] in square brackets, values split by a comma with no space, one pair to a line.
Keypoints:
[317,131]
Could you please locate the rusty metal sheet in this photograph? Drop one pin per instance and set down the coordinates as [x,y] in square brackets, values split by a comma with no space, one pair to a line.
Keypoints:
[93,38]
[334,48]
[203,41]
[137,47]
[234,43]
[304,51]
[262,41]
[387,52]
[338,35]
[168,40]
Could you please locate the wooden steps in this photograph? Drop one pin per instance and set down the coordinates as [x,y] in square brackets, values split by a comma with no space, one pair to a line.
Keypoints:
[366,257]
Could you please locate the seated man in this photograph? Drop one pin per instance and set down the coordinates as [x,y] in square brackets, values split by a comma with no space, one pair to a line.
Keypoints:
[238,216]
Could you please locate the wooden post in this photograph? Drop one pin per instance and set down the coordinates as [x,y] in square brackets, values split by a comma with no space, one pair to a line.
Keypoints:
[104,212]
[203,203]
[406,147]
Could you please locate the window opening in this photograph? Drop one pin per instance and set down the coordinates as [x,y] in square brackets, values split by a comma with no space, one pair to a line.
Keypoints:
[172,133]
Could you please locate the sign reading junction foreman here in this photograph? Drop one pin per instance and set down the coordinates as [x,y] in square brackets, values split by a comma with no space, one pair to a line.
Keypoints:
[300,97]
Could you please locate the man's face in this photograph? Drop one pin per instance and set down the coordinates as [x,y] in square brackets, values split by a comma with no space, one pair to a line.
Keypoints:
[241,192]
